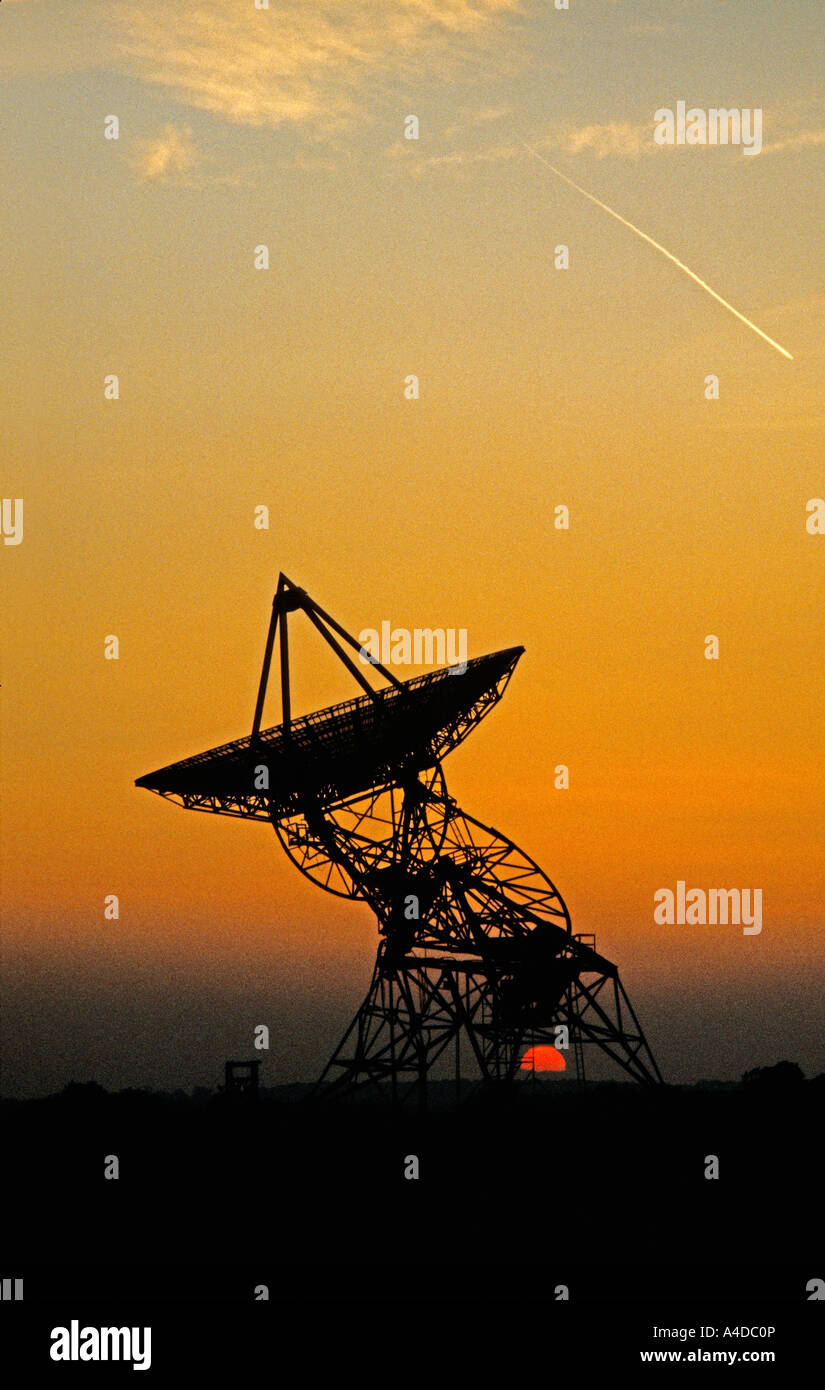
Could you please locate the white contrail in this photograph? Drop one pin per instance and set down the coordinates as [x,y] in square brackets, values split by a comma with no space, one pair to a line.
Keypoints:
[664,251]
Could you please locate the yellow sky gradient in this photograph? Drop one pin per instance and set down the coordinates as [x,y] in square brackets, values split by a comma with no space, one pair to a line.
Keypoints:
[286,388]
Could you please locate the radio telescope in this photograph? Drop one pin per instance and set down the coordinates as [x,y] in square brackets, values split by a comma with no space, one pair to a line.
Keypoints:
[476,949]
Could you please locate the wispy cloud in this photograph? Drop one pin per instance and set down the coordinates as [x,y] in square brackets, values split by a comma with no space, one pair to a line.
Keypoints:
[302,62]
[611,140]
[169,157]
[798,126]
[490,113]
[454,160]
[794,124]
[801,139]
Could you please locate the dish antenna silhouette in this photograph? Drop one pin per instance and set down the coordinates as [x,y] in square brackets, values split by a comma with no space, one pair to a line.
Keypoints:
[476,949]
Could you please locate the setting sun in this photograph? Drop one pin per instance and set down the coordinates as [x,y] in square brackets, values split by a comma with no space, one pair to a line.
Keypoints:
[543,1058]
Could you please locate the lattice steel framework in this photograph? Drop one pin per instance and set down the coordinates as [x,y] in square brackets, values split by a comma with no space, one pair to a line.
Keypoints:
[475,940]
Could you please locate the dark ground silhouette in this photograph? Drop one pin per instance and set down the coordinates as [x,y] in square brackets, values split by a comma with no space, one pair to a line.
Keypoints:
[602,1189]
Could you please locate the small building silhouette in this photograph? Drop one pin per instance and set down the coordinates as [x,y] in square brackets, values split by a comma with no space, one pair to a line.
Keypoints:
[241,1078]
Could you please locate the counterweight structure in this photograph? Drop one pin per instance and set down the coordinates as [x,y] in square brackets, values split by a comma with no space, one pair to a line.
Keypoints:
[476,956]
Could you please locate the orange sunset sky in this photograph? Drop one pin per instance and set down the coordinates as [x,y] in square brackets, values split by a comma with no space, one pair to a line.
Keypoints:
[285,387]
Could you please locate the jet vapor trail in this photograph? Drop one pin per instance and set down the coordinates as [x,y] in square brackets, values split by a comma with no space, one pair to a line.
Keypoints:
[664,251]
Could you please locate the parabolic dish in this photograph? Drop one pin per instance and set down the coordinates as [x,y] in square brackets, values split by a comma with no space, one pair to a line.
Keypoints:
[341,751]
